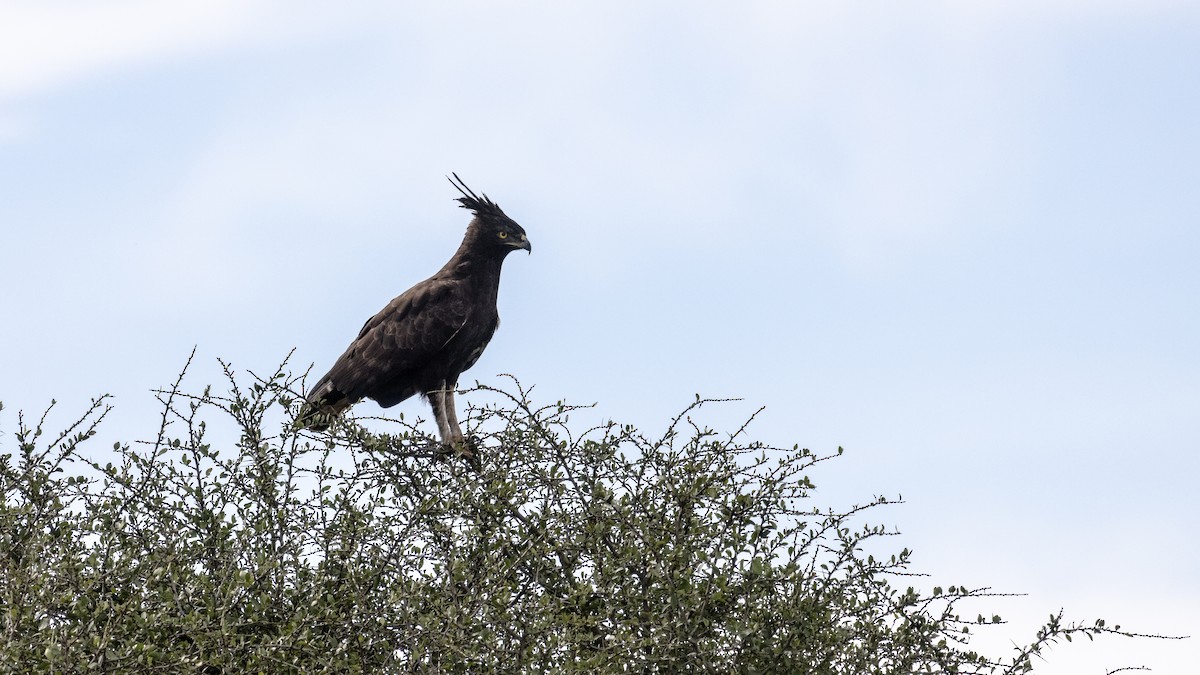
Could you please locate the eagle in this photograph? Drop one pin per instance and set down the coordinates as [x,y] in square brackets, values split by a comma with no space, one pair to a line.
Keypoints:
[429,335]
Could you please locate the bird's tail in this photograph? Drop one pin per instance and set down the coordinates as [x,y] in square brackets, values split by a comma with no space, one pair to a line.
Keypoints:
[322,405]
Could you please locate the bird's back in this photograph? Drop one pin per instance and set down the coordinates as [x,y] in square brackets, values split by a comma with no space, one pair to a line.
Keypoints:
[422,340]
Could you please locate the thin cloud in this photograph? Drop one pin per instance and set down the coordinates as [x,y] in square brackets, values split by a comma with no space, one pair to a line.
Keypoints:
[49,45]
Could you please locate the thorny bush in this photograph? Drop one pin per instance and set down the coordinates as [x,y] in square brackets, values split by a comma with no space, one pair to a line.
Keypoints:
[232,542]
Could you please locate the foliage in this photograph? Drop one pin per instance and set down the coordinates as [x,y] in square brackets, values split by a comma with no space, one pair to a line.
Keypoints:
[232,542]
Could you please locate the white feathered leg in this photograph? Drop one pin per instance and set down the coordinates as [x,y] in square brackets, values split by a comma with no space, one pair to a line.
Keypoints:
[437,401]
[452,416]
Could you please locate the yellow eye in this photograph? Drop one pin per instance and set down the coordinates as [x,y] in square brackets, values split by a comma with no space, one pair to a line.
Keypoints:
[503,235]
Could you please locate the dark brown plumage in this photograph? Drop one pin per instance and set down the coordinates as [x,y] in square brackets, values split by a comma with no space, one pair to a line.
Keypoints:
[425,338]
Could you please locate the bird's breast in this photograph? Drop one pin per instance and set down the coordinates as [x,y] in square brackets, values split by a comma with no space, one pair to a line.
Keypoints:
[476,334]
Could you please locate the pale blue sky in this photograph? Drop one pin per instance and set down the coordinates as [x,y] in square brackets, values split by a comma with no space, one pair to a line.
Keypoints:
[959,239]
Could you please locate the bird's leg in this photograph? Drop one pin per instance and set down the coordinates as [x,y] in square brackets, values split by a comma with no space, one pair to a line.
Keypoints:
[468,446]
[452,416]
[437,401]
[442,402]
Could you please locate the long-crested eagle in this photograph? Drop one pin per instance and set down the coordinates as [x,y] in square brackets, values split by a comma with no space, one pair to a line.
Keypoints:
[425,338]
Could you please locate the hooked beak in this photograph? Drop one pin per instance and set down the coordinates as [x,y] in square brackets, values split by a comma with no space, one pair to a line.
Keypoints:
[523,242]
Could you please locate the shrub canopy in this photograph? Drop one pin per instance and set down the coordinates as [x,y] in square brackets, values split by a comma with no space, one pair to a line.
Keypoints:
[232,542]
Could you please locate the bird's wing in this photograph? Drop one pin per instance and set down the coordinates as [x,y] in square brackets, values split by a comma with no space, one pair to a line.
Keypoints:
[396,342]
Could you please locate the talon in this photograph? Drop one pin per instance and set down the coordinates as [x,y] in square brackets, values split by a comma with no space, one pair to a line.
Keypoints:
[468,448]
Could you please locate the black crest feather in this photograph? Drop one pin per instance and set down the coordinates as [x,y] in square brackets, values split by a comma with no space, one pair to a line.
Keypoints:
[480,206]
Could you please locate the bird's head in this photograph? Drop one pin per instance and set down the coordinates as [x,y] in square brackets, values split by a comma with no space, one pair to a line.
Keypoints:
[496,231]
